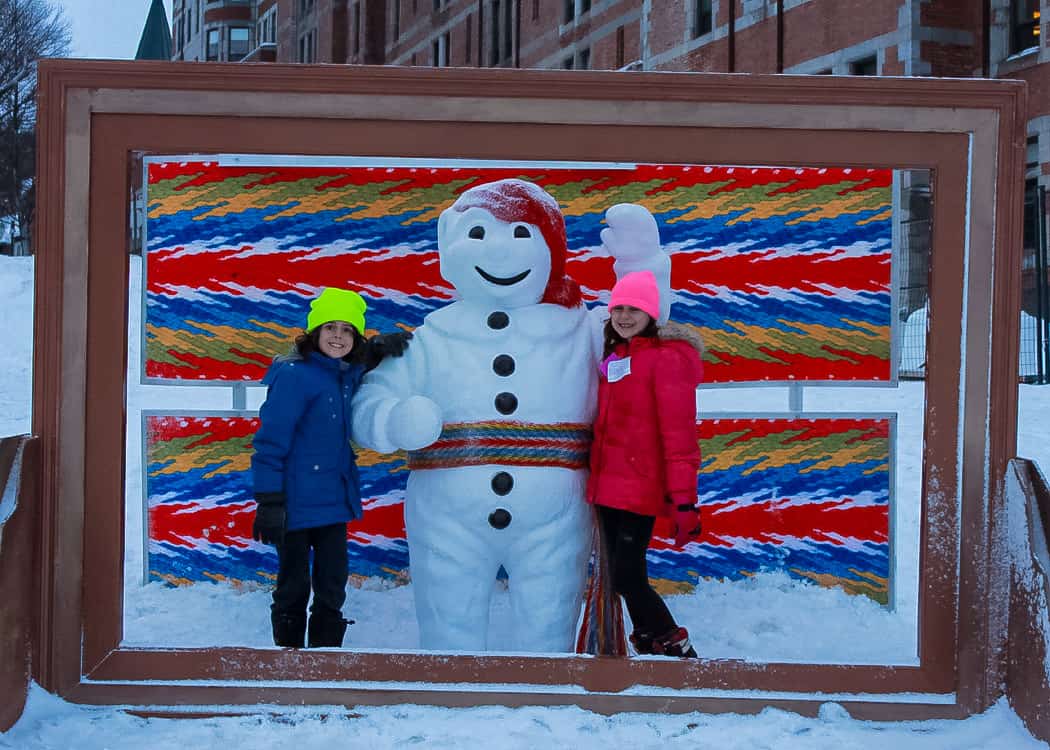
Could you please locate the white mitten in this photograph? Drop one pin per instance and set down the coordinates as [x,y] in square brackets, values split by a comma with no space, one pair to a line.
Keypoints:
[414,423]
[633,240]
[632,234]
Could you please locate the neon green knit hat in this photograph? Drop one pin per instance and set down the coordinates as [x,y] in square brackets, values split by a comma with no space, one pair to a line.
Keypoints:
[337,304]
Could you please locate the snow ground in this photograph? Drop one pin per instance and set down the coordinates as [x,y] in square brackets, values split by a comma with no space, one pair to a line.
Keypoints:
[759,619]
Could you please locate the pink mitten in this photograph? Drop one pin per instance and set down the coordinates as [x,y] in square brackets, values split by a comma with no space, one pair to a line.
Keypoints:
[686,518]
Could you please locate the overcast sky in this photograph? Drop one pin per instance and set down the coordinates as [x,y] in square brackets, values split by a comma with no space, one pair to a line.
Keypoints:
[107,28]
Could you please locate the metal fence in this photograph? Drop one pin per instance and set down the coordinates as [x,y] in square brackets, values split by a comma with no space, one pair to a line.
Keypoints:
[913,295]
[913,240]
[1035,291]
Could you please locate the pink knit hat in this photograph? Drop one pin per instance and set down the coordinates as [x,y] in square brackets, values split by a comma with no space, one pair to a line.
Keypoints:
[637,289]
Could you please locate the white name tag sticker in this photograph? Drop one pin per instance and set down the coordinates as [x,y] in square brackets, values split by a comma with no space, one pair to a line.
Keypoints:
[619,369]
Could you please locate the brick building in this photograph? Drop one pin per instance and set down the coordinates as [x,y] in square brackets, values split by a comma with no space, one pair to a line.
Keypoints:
[218,30]
[992,38]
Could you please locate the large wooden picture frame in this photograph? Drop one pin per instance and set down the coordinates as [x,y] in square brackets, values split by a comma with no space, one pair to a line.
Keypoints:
[96,117]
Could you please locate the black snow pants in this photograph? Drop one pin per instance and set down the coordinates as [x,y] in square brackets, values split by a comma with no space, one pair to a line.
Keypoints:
[295,579]
[627,536]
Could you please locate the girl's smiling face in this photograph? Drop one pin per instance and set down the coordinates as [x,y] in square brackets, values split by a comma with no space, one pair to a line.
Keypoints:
[628,321]
[336,339]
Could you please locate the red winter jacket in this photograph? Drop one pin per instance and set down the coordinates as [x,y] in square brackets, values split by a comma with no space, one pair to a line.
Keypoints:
[645,454]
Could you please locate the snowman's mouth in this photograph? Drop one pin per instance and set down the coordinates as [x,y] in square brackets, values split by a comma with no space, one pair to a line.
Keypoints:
[502,280]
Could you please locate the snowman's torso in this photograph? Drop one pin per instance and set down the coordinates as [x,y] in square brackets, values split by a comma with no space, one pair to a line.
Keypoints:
[530,364]
[534,367]
[531,368]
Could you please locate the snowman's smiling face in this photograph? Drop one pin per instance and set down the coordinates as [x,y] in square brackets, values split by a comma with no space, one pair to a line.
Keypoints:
[487,259]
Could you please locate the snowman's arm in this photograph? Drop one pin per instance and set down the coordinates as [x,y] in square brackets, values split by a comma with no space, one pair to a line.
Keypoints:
[633,240]
[391,382]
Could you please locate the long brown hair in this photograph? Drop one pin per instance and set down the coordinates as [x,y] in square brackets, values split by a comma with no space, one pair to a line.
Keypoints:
[612,339]
[308,342]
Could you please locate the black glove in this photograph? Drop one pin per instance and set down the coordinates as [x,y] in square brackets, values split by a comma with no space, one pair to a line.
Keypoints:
[385,345]
[268,527]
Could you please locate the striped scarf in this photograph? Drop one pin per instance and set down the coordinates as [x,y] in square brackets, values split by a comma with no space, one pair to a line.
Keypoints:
[563,444]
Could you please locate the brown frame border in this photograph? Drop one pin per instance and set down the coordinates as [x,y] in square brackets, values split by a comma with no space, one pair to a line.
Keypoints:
[94,115]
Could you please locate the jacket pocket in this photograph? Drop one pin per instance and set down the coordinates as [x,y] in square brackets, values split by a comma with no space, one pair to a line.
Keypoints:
[639,467]
[318,480]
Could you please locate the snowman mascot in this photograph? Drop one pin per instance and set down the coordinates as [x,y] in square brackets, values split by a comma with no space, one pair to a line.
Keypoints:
[494,400]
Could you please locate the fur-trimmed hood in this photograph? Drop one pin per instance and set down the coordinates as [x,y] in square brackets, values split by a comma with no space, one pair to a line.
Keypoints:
[672,331]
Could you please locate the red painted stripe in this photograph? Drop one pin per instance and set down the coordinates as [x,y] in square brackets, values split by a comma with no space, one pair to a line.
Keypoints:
[230,525]
[821,273]
[415,273]
[707,429]
[725,367]
[763,522]
[217,429]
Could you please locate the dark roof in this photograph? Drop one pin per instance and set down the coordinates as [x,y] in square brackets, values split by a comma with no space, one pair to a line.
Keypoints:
[155,43]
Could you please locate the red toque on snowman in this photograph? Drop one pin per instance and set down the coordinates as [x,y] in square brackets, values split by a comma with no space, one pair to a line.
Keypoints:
[518,200]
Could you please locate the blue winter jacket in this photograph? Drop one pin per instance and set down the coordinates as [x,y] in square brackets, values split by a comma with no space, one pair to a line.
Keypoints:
[302,447]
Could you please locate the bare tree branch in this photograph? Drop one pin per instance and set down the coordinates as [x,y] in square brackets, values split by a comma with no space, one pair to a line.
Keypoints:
[29,30]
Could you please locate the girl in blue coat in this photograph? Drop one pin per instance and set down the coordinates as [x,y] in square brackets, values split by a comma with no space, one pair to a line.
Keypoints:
[304,471]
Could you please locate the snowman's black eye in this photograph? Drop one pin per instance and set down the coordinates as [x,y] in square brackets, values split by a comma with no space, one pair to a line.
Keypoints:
[522,232]
[476,232]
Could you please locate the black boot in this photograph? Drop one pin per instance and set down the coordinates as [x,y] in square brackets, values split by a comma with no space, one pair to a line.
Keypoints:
[288,630]
[642,642]
[674,643]
[326,631]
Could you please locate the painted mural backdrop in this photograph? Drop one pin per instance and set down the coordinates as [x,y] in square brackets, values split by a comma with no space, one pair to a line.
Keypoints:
[808,496]
[785,272]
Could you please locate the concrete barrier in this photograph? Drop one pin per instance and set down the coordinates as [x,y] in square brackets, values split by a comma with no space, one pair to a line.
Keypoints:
[18,572]
[1028,642]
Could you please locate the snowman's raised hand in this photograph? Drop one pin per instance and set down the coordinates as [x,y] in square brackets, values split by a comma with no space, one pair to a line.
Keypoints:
[632,234]
[414,423]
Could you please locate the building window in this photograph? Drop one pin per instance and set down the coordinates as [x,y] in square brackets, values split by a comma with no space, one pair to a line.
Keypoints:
[1024,25]
[702,18]
[620,44]
[567,63]
[502,33]
[238,41]
[439,51]
[305,6]
[585,6]
[583,59]
[357,28]
[535,10]
[212,50]
[267,30]
[869,66]
[508,30]
[494,34]
[199,14]
[397,19]
[308,47]
[570,10]
[469,39]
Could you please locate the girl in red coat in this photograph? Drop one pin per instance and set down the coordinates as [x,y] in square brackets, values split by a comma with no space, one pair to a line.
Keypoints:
[645,455]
